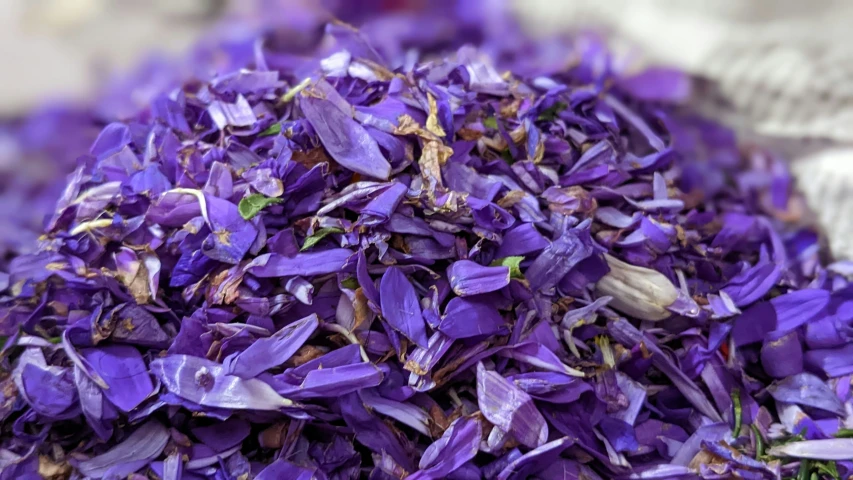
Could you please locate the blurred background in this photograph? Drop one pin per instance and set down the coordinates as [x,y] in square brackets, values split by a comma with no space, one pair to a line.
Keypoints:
[779,71]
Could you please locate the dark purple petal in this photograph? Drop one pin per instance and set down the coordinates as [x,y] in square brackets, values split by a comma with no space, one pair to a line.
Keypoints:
[782,356]
[222,436]
[470,317]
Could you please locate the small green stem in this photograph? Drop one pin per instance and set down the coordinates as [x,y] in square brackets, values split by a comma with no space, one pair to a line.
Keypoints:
[759,442]
[738,410]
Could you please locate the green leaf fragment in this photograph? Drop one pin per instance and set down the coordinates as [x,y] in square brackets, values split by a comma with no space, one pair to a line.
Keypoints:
[507,156]
[551,112]
[803,472]
[319,235]
[513,263]
[490,122]
[350,283]
[273,129]
[55,340]
[826,468]
[253,204]
[844,433]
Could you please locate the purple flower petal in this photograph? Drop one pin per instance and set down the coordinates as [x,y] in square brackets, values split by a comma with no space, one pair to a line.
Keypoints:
[807,390]
[470,278]
[510,409]
[558,259]
[124,371]
[400,306]
[470,317]
[346,141]
[459,443]
[144,444]
[306,264]
[207,383]
[266,353]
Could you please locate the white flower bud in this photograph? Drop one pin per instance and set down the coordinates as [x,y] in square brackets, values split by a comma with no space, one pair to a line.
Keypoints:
[638,292]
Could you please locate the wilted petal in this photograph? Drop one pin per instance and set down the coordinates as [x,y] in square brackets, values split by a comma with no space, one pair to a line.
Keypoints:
[830,449]
[237,114]
[373,433]
[137,326]
[628,335]
[50,391]
[537,355]
[345,140]
[751,284]
[405,413]
[282,469]
[207,383]
[834,362]
[144,444]
[509,408]
[658,84]
[520,240]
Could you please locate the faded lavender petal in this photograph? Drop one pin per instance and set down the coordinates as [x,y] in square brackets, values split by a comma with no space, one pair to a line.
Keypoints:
[510,409]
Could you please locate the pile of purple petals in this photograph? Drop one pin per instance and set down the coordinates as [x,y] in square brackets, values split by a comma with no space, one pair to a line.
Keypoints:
[37,152]
[378,255]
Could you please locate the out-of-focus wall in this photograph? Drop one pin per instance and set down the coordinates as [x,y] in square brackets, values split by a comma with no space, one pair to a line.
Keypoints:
[59,48]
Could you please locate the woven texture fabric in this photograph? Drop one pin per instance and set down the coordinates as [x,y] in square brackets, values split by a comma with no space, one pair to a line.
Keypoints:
[780,71]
